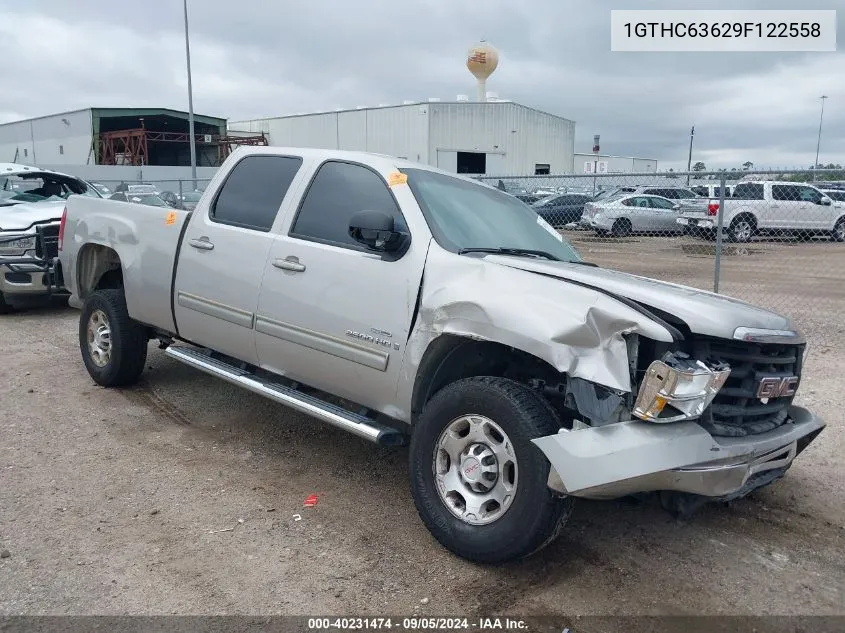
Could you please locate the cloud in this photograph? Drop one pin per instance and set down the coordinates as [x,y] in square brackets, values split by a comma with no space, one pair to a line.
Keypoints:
[259,58]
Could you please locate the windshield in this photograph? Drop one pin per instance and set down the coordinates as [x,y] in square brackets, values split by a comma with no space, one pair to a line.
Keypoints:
[39,188]
[192,196]
[465,214]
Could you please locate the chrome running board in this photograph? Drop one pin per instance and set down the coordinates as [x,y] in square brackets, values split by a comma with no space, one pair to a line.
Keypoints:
[355,423]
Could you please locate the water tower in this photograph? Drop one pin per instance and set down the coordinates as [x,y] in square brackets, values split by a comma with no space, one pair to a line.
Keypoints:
[482,60]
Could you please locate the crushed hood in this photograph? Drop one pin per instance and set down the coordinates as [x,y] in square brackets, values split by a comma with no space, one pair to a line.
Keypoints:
[22,216]
[704,312]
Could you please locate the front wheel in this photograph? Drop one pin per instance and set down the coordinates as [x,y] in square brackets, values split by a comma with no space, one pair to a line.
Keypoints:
[478,482]
[113,346]
[838,234]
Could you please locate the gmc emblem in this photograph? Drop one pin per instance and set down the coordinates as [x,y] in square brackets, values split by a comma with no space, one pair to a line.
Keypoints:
[776,387]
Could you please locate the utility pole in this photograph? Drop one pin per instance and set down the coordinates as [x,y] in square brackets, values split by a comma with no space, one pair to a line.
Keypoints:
[596,149]
[819,142]
[689,159]
[193,139]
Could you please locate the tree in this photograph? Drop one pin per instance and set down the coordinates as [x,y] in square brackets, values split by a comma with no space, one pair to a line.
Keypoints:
[699,166]
[747,165]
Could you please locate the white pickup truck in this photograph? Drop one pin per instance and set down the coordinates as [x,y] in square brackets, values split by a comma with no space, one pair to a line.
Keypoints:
[772,207]
[400,302]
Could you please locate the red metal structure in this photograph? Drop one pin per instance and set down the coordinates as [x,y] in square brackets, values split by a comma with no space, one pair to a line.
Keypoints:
[131,147]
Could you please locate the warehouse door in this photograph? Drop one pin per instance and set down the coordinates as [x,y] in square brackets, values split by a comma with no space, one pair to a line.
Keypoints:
[447,160]
[472,163]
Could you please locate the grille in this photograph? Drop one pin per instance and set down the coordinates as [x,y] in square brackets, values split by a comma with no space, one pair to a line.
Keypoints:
[736,411]
[47,245]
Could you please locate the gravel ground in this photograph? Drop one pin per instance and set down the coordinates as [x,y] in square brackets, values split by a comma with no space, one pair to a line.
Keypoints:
[180,495]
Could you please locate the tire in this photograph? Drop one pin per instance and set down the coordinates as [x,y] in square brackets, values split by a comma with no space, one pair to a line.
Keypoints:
[122,343]
[621,228]
[742,229]
[5,308]
[838,234]
[534,515]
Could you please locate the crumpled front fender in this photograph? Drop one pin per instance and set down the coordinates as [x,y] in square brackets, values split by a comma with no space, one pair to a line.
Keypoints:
[577,330]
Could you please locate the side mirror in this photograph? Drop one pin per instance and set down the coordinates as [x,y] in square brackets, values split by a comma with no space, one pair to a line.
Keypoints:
[376,231]
[676,206]
[825,201]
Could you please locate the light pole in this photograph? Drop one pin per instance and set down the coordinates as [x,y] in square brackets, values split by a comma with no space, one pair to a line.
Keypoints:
[192,140]
[689,159]
[819,142]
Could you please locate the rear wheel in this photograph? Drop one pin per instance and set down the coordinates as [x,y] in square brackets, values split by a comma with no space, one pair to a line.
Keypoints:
[478,482]
[838,234]
[113,346]
[621,228]
[741,229]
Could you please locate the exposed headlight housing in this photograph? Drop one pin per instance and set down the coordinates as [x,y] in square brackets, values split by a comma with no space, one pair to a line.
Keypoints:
[16,244]
[678,388]
[765,335]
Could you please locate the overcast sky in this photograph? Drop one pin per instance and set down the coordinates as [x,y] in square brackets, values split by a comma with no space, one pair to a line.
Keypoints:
[255,58]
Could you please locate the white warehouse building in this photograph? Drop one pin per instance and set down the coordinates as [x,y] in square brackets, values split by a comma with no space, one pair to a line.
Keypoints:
[605,164]
[496,138]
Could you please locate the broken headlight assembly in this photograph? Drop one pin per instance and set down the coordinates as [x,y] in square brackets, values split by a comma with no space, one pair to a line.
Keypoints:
[678,388]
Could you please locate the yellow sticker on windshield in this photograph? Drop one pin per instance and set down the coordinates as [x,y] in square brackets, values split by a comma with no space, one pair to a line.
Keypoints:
[171,218]
[397,178]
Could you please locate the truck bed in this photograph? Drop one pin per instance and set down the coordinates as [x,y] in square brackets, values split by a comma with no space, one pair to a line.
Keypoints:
[145,238]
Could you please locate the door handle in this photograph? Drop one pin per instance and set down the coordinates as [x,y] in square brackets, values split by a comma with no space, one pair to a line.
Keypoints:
[202,244]
[289,263]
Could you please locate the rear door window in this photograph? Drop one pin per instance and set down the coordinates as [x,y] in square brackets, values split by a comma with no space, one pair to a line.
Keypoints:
[254,190]
[749,191]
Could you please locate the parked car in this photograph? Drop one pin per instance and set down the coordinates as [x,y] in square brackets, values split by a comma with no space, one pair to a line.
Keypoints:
[771,207]
[562,209]
[672,193]
[187,200]
[837,195]
[144,187]
[624,214]
[148,199]
[31,204]
[99,187]
[402,303]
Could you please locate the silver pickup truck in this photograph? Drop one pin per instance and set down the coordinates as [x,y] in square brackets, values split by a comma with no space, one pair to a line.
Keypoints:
[403,303]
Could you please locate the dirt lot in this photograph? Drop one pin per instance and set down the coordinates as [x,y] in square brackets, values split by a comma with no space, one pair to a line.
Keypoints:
[116,501]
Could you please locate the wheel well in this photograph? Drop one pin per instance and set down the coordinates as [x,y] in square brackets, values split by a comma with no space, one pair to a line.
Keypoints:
[746,215]
[622,219]
[98,267]
[450,358]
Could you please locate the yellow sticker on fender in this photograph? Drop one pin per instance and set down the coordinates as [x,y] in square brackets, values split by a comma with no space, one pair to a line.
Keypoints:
[397,178]
[171,218]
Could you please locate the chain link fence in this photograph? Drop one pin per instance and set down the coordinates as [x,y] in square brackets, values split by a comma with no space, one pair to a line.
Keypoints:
[774,239]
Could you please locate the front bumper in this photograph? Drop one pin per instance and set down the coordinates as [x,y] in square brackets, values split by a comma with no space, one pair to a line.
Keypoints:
[634,457]
[29,277]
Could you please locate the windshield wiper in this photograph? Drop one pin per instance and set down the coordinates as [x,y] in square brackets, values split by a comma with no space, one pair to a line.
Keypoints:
[509,251]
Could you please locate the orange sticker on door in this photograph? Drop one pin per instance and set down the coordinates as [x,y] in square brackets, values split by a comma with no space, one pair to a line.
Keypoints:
[171,218]
[397,178]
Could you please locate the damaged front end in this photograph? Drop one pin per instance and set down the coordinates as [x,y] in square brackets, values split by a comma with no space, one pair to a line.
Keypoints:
[669,442]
